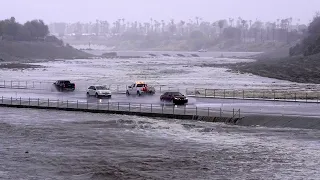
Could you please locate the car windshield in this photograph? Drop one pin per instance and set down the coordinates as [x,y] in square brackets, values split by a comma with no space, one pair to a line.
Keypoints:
[141,85]
[65,82]
[101,88]
[176,94]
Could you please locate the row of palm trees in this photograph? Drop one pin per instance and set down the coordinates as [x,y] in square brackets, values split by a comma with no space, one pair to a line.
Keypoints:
[181,28]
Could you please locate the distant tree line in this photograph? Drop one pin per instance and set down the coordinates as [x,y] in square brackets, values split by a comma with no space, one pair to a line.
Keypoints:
[196,31]
[30,31]
[310,45]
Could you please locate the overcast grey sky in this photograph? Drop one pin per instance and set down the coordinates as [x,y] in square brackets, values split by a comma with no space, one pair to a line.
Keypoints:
[143,10]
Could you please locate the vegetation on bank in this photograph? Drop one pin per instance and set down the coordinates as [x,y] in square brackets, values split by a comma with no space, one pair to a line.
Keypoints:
[31,40]
[301,64]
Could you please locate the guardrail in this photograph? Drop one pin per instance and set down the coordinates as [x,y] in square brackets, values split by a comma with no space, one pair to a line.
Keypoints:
[261,94]
[120,107]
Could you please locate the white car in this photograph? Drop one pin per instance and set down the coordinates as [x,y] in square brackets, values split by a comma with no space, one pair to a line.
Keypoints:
[99,91]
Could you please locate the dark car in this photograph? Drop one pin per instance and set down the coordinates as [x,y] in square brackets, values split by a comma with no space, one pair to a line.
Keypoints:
[175,97]
[64,85]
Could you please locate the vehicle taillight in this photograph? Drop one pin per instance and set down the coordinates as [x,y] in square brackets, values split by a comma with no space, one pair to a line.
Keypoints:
[144,89]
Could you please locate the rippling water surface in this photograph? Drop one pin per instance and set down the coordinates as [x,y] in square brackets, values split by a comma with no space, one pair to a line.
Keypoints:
[40,144]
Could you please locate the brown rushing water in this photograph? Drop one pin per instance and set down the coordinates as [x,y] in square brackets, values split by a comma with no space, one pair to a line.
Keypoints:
[40,144]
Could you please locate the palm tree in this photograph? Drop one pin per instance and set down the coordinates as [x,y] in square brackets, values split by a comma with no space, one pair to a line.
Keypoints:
[221,25]
[182,23]
[231,21]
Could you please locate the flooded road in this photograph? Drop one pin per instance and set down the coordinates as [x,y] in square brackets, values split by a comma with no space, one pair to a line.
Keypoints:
[41,144]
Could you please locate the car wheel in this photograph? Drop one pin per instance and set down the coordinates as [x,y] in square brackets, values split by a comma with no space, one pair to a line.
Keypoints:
[88,95]
[97,95]
[138,93]
[127,93]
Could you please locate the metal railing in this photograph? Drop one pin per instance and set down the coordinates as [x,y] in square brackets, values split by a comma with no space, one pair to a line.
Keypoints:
[122,107]
[259,94]
[262,94]
[48,85]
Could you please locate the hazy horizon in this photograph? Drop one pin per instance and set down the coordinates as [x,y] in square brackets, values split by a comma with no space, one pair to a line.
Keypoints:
[143,10]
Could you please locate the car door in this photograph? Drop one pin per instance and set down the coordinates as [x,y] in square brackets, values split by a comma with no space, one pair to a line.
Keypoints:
[90,90]
[93,90]
[132,89]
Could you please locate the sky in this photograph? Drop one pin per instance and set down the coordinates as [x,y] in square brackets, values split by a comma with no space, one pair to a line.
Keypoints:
[142,10]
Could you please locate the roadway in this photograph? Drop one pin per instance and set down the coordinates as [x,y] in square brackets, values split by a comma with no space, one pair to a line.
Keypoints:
[246,106]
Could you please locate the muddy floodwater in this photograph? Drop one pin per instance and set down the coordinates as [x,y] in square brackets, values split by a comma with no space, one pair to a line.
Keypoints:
[168,72]
[41,144]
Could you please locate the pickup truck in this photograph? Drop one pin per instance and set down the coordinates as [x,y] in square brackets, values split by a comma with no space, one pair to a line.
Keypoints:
[140,88]
[64,85]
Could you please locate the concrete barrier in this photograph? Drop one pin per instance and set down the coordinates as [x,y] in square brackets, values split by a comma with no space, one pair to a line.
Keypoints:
[280,121]
[158,110]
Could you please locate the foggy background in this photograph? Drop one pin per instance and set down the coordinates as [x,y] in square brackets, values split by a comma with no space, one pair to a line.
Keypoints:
[143,10]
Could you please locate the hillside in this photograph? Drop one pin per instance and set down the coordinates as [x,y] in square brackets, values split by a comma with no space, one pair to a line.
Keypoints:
[19,50]
[296,69]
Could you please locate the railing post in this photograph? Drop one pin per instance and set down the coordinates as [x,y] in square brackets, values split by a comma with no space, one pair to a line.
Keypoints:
[306,97]
[58,103]
[2,99]
[263,95]
[205,92]
[233,112]
[214,93]
[242,94]
[26,84]
[173,109]
[98,105]
[29,101]
[4,83]
[239,114]
[67,104]
[220,112]
[224,93]
[208,111]
[140,107]
[129,107]
[184,110]
[151,108]
[18,84]
[162,108]
[196,111]
[20,101]
[160,89]
[274,95]
[87,105]
[233,94]
[77,104]
[11,100]
[108,105]
[118,106]
[11,84]
[48,102]
[38,102]
[32,84]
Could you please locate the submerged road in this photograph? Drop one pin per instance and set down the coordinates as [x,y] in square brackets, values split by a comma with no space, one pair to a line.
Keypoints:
[246,106]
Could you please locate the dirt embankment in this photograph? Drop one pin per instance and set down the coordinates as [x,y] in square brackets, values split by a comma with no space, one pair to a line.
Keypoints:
[279,66]
[19,51]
